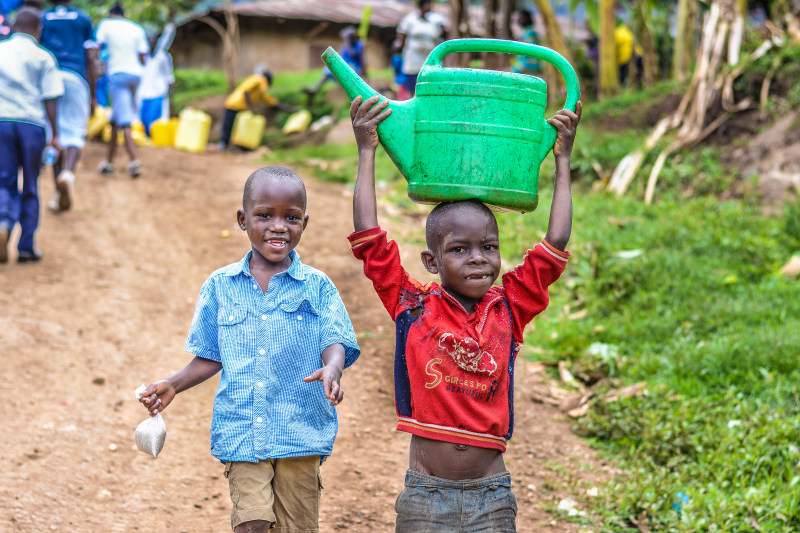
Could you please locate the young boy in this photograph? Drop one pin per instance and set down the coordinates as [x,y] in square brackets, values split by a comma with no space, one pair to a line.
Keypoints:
[456,342]
[275,327]
[30,85]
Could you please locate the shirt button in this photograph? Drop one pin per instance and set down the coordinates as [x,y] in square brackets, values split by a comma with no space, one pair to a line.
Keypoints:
[260,383]
[259,419]
[262,352]
[255,287]
[230,318]
[263,317]
[299,317]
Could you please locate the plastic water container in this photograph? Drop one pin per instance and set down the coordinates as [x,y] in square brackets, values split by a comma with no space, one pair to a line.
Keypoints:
[248,130]
[162,132]
[193,128]
[137,134]
[297,122]
[97,122]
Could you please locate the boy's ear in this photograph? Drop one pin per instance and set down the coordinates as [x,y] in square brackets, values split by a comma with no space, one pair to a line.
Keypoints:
[240,218]
[305,222]
[429,262]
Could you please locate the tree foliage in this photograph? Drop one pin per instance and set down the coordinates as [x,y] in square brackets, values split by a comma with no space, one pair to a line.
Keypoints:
[147,12]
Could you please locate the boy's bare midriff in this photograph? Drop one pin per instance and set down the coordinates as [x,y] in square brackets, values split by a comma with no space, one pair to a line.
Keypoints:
[453,461]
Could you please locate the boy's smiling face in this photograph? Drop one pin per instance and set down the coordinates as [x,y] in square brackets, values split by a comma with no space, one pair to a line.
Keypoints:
[465,254]
[274,219]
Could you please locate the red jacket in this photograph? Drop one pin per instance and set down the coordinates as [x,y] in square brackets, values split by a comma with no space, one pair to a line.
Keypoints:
[454,370]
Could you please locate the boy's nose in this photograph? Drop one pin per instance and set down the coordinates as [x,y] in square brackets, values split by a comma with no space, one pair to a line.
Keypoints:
[476,256]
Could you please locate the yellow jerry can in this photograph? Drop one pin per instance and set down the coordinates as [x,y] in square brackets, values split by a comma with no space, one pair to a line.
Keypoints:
[137,133]
[162,132]
[97,122]
[297,122]
[248,130]
[193,128]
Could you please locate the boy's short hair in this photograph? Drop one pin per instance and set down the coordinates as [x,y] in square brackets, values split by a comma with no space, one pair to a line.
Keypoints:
[433,223]
[275,173]
[117,9]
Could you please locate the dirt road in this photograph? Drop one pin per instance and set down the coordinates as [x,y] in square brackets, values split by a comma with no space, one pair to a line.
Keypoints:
[109,308]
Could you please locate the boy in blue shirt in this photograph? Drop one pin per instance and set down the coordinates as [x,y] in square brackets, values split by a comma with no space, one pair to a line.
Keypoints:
[280,334]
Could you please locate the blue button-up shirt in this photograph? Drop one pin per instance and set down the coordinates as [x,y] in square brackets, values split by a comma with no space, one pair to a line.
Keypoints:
[267,343]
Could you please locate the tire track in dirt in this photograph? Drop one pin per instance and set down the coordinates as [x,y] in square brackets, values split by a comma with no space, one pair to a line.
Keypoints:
[109,308]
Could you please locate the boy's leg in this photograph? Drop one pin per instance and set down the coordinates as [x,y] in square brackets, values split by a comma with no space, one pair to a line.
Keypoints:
[297,488]
[252,495]
[9,189]
[32,144]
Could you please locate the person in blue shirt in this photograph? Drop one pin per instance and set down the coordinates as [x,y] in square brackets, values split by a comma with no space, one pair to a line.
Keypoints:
[280,335]
[67,33]
[353,54]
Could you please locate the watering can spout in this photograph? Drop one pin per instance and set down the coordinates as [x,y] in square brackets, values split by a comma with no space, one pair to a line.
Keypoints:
[351,82]
[396,131]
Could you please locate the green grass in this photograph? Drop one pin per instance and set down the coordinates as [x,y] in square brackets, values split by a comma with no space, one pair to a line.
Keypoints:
[683,295]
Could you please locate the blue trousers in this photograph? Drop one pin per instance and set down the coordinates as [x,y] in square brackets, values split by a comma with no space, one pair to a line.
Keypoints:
[21,146]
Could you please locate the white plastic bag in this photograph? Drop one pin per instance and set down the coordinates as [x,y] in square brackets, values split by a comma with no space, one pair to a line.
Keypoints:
[151,433]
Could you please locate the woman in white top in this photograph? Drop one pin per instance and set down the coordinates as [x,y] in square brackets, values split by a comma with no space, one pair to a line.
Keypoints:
[419,33]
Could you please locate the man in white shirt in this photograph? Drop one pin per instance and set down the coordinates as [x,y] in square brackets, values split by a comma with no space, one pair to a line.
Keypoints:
[417,35]
[29,78]
[127,49]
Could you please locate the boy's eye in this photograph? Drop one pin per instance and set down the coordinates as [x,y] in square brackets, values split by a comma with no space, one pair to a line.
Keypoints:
[458,249]
[490,247]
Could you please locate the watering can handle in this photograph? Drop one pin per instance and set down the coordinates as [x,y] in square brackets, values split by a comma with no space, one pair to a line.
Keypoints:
[512,47]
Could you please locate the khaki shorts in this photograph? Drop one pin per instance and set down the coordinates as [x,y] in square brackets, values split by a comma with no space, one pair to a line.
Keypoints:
[285,492]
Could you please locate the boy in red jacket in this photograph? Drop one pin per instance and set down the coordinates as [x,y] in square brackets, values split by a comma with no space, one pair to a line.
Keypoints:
[457,341]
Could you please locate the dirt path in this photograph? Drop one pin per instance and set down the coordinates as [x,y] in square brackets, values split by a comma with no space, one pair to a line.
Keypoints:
[109,308]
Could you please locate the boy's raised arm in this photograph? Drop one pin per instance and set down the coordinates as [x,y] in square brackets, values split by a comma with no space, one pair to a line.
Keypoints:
[559,227]
[365,119]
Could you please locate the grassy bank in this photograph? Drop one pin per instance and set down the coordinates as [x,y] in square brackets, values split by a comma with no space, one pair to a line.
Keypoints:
[683,295]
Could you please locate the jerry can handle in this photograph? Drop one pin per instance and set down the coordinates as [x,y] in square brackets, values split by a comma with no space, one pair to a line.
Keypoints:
[512,47]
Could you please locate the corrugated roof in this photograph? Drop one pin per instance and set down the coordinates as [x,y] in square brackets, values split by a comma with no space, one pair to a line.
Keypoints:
[385,13]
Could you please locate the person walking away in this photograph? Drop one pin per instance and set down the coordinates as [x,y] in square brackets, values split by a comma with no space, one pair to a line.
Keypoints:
[353,54]
[126,44]
[248,95]
[157,79]
[30,85]
[67,33]
[417,35]
[525,64]
[279,333]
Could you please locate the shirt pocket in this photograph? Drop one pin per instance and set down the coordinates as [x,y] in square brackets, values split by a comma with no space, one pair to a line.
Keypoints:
[231,326]
[303,320]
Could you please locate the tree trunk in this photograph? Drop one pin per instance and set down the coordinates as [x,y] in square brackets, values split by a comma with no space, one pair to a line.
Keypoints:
[489,31]
[230,42]
[642,23]
[459,27]
[555,40]
[609,70]
[506,11]
[684,39]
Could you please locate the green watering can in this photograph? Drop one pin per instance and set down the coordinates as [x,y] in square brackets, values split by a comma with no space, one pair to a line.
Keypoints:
[469,133]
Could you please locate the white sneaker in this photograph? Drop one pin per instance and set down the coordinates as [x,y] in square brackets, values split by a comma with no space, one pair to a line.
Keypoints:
[53,204]
[65,185]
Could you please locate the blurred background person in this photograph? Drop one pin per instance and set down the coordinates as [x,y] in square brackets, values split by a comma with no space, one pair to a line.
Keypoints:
[125,43]
[417,35]
[67,33]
